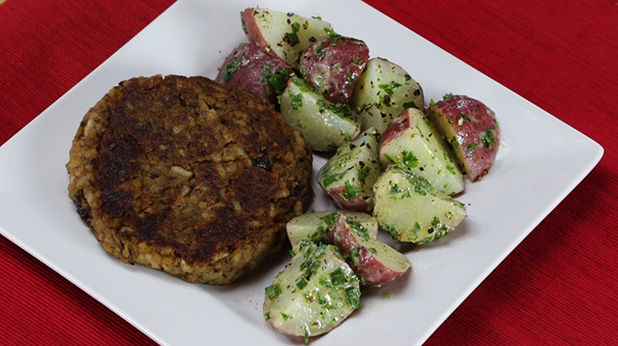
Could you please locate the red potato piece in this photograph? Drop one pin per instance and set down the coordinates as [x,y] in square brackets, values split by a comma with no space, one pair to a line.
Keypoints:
[313,294]
[325,125]
[349,175]
[471,129]
[313,225]
[412,142]
[383,91]
[332,65]
[374,261]
[285,34]
[253,69]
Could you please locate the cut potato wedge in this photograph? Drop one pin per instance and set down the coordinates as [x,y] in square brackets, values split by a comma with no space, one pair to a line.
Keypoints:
[412,210]
[471,129]
[349,175]
[374,261]
[286,34]
[314,224]
[383,91]
[325,125]
[412,142]
[314,293]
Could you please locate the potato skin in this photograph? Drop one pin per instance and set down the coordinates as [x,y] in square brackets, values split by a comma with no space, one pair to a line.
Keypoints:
[332,65]
[253,69]
[471,129]
[373,261]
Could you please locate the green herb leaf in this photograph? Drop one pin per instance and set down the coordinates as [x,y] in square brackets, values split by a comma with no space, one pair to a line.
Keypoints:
[488,138]
[351,191]
[273,291]
[353,296]
[292,37]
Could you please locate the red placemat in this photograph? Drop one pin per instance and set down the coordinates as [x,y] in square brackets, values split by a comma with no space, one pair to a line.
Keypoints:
[557,287]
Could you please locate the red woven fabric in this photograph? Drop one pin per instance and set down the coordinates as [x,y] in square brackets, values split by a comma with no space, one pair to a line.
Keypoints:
[557,287]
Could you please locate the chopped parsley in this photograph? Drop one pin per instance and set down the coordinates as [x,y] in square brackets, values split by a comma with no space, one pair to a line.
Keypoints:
[471,147]
[351,77]
[336,39]
[230,69]
[277,79]
[320,51]
[396,189]
[387,227]
[301,282]
[292,37]
[410,104]
[296,99]
[337,276]
[330,32]
[331,146]
[363,173]
[330,219]
[351,191]
[389,88]
[353,296]
[453,142]
[408,159]
[358,227]
[341,110]
[488,138]
[273,291]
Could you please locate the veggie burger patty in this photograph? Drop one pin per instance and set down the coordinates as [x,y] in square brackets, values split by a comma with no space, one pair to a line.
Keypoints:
[184,175]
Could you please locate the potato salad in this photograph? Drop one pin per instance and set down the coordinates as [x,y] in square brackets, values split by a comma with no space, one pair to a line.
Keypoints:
[395,163]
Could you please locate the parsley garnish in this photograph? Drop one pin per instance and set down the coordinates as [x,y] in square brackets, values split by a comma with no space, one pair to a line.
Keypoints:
[230,69]
[273,291]
[358,227]
[410,104]
[351,191]
[330,219]
[276,79]
[337,276]
[408,159]
[390,87]
[330,32]
[488,138]
[292,37]
[353,296]
[296,99]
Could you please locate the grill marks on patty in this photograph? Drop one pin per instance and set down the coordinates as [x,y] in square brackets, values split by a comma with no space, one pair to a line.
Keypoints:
[190,169]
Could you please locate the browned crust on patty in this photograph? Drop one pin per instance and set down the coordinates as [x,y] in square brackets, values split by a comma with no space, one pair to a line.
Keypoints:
[184,175]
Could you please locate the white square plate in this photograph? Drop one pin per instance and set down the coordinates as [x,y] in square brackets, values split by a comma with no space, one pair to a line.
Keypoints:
[541,161]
